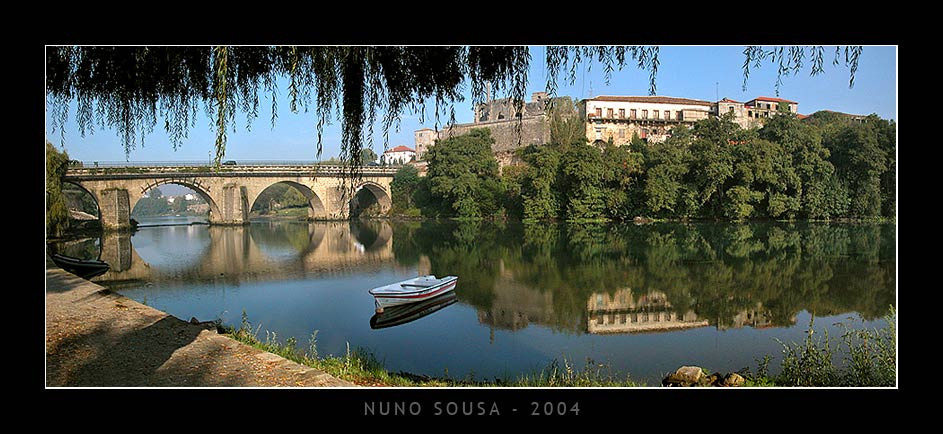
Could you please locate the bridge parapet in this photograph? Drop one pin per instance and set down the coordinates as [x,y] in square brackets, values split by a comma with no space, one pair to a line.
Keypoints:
[224,171]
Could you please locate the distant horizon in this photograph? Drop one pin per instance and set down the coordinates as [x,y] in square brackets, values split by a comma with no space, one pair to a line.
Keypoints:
[707,73]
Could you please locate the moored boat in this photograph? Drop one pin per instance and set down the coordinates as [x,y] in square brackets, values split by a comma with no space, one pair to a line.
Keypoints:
[84,268]
[411,290]
[405,313]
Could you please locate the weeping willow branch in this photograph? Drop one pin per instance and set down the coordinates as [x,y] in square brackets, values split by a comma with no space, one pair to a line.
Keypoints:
[791,62]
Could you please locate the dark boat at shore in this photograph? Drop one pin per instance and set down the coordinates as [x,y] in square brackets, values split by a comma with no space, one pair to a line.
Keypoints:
[84,268]
[405,313]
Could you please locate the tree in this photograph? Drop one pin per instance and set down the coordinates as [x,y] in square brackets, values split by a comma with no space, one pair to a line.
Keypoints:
[463,173]
[405,182]
[860,161]
[583,173]
[622,190]
[512,180]
[126,87]
[540,192]
[57,213]
[666,168]
[566,126]
[367,156]
[180,204]
[810,168]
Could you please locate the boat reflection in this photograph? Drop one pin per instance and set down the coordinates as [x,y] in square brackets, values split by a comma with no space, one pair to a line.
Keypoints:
[405,313]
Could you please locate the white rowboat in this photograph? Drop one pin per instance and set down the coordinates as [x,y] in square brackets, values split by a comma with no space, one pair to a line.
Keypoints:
[412,290]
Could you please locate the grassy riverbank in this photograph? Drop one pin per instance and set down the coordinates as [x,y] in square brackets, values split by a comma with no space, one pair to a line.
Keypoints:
[868,359]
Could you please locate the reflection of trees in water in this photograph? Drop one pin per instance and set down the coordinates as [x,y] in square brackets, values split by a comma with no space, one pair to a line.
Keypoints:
[405,242]
[365,232]
[280,236]
[86,248]
[719,271]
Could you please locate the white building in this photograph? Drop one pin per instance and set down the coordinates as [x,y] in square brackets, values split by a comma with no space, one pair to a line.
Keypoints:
[398,155]
[651,117]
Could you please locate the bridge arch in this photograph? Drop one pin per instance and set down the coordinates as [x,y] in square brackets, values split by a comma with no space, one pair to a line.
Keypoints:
[357,204]
[193,184]
[315,205]
[86,191]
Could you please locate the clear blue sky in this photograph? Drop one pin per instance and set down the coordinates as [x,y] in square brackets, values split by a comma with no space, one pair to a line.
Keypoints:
[700,72]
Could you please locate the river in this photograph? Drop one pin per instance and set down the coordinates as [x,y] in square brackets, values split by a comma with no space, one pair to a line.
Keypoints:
[642,300]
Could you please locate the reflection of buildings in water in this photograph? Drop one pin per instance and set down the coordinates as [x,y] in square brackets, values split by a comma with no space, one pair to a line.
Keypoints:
[621,313]
[756,318]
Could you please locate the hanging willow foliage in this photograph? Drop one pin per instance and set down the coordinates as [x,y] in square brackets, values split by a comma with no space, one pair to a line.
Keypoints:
[125,88]
[790,60]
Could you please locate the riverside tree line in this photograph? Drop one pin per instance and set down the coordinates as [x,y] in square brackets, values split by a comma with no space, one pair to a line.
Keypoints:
[826,166]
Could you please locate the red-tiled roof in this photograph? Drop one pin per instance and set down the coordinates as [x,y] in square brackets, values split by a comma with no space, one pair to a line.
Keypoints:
[399,149]
[729,100]
[801,116]
[650,99]
[766,98]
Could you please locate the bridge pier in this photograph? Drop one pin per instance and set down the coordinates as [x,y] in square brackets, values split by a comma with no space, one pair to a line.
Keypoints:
[116,250]
[115,209]
[233,206]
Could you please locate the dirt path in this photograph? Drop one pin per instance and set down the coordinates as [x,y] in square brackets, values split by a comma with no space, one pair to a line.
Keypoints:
[96,338]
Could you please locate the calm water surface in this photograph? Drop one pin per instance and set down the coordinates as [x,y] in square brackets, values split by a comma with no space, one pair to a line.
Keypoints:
[643,300]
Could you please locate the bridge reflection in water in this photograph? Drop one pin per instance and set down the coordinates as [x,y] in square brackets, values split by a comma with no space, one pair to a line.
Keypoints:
[247,253]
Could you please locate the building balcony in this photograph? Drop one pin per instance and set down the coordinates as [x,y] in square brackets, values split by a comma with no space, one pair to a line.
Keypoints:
[636,120]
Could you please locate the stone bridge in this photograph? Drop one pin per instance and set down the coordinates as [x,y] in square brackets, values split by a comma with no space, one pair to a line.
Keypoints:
[230,191]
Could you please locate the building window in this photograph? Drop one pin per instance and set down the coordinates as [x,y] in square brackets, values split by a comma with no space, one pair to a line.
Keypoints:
[632,113]
[621,133]
[621,113]
[750,113]
[680,115]
[667,115]
[598,112]
[644,114]
[730,109]
[609,113]
[598,133]
[656,114]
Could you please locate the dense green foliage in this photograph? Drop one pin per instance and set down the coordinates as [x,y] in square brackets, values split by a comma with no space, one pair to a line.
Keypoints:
[463,176]
[826,167]
[405,183]
[57,213]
